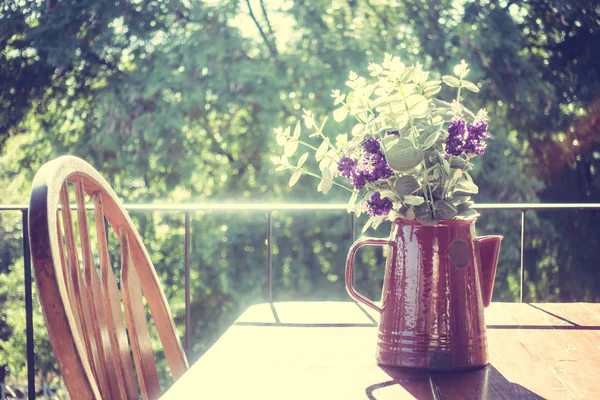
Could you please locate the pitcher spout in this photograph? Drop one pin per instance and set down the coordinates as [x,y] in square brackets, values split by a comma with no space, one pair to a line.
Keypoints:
[489,251]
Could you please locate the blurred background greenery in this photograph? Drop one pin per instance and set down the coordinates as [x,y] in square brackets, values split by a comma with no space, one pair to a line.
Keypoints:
[176,101]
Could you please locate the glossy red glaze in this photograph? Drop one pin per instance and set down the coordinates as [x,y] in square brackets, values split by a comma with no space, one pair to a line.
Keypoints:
[438,280]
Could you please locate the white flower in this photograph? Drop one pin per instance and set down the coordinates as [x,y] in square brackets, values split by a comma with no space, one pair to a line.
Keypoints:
[457,110]
[461,70]
[482,115]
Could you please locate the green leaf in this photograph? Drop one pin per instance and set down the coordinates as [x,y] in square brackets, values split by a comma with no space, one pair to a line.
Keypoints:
[432,90]
[281,139]
[457,162]
[460,199]
[444,210]
[417,105]
[358,130]
[451,81]
[389,141]
[368,224]
[466,186]
[441,104]
[302,160]
[297,130]
[326,183]
[401,119]
[407,75]
[377,221]
[404,156]
[421,210]
[432,83]
[446,166]
[429,136]
[340,114]
[322,150]
[294,178]
[324,164]
[290,148]
[467,112]
[406,185]
[427,220]
[462,207]
[469,213]
[470,86]
[309,122]
[413,200]
[431,87]
[352,201]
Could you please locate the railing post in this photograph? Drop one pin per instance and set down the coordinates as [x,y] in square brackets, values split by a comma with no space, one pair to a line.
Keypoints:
[523,228]
[353,236]
[28,307]
[269,258]
[352,227]
[188,310]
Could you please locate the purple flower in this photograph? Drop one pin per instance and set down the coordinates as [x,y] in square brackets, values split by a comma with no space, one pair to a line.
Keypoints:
[476,144]
[455,142]
[378,206]
[371,145]
[371,168]
[346,166]
[466,140]
[359,181]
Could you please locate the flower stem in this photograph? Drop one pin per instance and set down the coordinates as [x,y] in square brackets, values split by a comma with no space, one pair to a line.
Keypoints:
[410,118]
[458,93]
[426,188]
[334,182]
[430,195]
[307,145]
[320,132]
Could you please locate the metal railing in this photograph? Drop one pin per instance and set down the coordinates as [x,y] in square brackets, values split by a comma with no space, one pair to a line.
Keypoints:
[46,392]
[188,209]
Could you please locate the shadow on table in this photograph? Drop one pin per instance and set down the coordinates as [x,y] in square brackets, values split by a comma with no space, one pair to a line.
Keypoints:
[403,380]
[483,383]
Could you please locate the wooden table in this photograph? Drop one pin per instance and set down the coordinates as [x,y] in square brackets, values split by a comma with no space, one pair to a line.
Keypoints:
[326,350]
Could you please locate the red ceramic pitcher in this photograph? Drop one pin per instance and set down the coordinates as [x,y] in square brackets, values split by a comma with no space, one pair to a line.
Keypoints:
[438,279]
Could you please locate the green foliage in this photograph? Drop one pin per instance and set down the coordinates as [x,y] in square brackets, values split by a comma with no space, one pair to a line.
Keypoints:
[173,101]
[12,346]
[397,112]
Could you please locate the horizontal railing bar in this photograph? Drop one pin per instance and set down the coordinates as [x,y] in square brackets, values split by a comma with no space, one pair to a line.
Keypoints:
[536,206]
[312,207]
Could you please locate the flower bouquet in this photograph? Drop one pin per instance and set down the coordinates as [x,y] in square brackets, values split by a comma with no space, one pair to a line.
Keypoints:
[408,153]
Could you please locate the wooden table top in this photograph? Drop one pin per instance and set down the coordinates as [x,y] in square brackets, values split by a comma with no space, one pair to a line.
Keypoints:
[326,350]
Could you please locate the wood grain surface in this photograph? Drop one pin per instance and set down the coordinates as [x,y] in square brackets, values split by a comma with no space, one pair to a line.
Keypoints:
[325,350]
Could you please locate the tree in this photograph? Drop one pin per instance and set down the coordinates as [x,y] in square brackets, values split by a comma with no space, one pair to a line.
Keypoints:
[173,101]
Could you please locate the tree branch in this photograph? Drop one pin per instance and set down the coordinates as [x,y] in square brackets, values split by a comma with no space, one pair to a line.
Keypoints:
[272,49]
[264,13]
[216,147]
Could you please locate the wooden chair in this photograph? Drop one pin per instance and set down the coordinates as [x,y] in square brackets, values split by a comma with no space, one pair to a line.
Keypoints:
[81,301]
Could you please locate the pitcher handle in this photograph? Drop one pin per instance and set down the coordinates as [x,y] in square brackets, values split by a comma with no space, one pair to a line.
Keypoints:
[350,268]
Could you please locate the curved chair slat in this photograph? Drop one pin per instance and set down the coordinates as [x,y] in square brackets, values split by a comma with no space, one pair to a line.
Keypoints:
[81,302]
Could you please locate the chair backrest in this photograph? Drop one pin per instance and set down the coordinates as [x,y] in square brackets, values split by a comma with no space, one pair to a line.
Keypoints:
[81,301]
